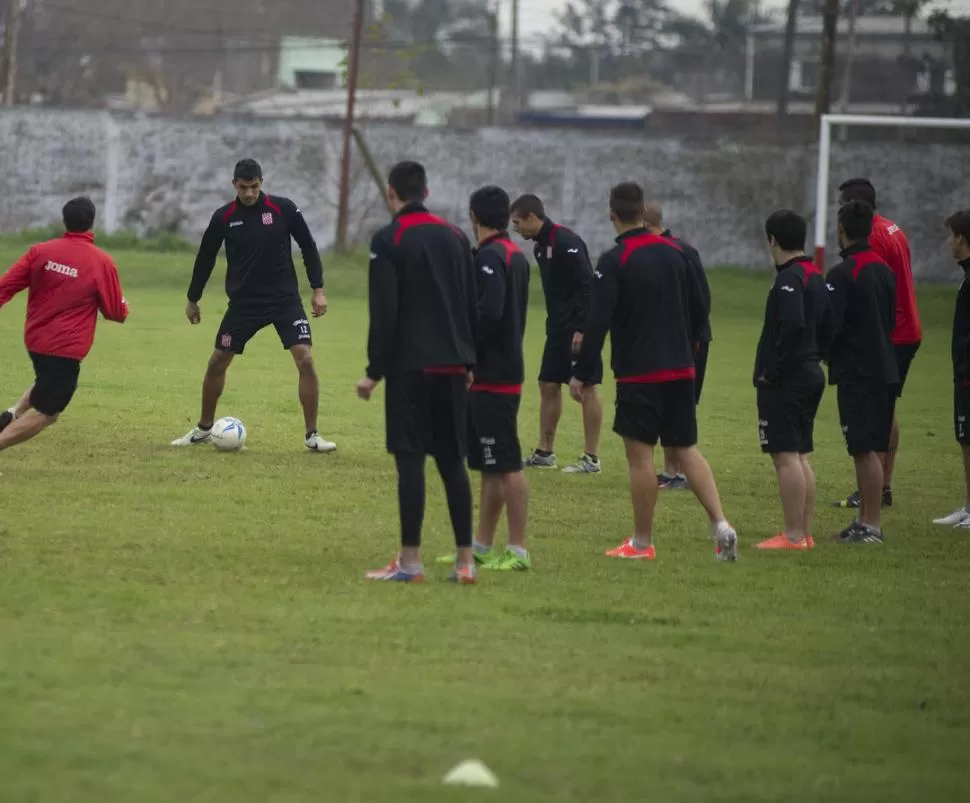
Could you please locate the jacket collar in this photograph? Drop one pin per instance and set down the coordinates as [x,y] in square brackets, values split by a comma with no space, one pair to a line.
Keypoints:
[792,261]
[542,238]
[632,233]
[502,235]
[965,264]
[855,248]
[411,208]
[88,236]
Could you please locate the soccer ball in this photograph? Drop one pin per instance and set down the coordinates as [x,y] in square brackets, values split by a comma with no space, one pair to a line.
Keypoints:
[228,434]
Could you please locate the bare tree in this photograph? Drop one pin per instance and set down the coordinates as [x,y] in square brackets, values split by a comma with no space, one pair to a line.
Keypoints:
[787,56]
[830,22]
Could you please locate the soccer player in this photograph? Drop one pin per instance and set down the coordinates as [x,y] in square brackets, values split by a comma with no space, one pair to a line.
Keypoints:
[263,291]
[891,245]
[797,332]
[862,363]
[567,282]
[645,299]
[69,280]
[423,314]
[958,229]
[494,449]
[672,477]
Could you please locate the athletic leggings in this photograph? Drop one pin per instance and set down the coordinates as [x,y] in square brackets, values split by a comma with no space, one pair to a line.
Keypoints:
[410,497]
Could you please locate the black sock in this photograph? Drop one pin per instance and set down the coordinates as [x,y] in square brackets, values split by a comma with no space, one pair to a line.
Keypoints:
[310,434]
[459,492]
[204,428]
[592,457]
[410,497]
[543,453]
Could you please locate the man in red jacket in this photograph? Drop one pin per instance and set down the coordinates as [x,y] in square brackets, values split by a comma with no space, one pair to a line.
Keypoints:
[69,280]
[889,242]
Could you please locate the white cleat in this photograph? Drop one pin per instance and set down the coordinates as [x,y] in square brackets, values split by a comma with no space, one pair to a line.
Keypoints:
[725,543]
[317,444]
[194,438]
[959,518]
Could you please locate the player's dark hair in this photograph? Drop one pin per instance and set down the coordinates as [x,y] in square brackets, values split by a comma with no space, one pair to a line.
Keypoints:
[409,180]
[78,214]
[859,189]
[959,224]
[788,228]
[627,201]
[528,204]
[247,170]
[490,206]
[855,218]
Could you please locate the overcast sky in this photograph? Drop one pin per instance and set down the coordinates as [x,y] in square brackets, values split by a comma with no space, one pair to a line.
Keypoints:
[537,15]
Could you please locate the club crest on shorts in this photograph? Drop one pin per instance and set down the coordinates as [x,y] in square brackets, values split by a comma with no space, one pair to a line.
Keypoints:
[226,341]
[267,218]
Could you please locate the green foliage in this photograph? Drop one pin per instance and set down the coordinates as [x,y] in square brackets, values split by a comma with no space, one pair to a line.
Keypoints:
[162,242]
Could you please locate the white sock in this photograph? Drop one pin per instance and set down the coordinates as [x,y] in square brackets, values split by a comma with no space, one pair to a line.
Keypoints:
[638,544]
[522,552]
[13,412]
[414,568]
[480,549]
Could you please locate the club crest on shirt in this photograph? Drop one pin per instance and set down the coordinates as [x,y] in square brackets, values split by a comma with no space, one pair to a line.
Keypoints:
[226,341]
[549,252]
[267,218]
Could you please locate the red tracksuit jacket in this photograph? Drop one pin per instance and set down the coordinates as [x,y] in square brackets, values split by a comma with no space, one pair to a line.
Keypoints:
[69,280]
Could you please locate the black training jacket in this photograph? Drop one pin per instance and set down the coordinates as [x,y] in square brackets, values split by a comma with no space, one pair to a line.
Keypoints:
[503,302]
[567,278]
[700,276]
[423,296]
[961,330]
[798,327]
[862,291]
[259,257]
[646,298]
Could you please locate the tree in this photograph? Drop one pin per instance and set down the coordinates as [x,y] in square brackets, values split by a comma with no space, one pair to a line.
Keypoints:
[955,32]
[830,21]
[787,57]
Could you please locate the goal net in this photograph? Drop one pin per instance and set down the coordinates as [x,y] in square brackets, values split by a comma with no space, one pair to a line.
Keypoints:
[919,206]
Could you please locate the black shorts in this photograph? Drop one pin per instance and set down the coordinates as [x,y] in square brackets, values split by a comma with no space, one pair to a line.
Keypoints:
[700,369]
[558,361]
[961,413]
[240,325]
[427,414]
[493,432]
[657,411]
[786,417]
[904,359]
[54,383]
[866,416]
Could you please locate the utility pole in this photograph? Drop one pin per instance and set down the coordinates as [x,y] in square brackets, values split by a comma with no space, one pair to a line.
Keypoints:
[847,72]
[353,68]
[494,62]
[830,23]
[11,35]
[787,56]
[516,58]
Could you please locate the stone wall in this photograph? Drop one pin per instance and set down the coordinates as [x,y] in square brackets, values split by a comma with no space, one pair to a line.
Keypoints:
[149,173]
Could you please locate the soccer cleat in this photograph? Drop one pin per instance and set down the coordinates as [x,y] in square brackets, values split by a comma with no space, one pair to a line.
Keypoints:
[629,551]
[481,558]
[194,438]
[317,444]
[536,460]
[585,465]
[810,541]
[857,533]
[675,483]
[965,525]
[725,543]
[6,418]
[508,562]
[463,575]
[958,518]
[782,541]
[395,574]
[853,500]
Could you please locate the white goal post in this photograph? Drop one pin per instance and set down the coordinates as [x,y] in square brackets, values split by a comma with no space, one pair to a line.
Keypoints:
[826,124]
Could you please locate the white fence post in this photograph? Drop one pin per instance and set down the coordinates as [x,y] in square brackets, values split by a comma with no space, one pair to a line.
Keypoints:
[112,159]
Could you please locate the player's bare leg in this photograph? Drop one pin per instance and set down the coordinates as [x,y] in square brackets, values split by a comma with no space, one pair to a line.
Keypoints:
[22,429]
[869,474]
[310,399]
[489,511]
[700,478]
[213,384]
[793,491]
[592,420]
[516,490]
[550,411]
[23,405]
[808,516]
[889,459]
[643,489]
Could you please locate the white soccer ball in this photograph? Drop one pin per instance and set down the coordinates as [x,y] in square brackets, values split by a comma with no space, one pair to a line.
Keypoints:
[228,434]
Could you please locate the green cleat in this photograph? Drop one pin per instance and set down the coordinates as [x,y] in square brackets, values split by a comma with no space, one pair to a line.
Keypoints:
[508,562]
[481,558]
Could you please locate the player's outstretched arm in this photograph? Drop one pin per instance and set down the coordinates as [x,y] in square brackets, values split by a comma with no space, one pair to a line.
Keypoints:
[17,278]
[111,301]
[300,232]
[205,261]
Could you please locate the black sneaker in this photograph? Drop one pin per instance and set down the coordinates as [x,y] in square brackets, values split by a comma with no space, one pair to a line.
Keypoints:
[854,502]
[857,533]
[887,497]
[6,417]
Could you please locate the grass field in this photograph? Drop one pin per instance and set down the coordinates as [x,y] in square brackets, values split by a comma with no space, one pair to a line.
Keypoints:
[189,625]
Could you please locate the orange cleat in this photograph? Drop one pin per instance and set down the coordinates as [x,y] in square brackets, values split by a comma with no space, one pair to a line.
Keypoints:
[628,551]
[781,541]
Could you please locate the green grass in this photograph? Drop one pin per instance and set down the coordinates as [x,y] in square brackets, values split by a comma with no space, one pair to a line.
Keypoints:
[194,626]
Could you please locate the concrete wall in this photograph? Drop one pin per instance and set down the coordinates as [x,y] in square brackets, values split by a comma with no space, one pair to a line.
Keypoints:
[148,173]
